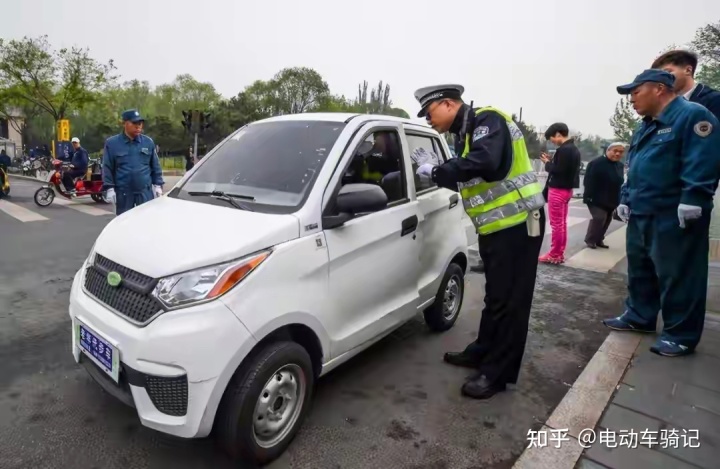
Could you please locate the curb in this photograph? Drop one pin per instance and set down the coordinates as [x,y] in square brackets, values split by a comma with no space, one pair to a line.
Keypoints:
[583,405]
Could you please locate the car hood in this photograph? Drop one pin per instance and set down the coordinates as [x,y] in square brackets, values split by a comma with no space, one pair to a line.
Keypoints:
[167,236]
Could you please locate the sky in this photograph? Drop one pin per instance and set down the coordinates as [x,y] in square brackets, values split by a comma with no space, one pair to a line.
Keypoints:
[557,60]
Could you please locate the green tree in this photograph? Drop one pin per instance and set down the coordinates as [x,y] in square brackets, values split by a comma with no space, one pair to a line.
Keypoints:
[54,81]
[624,120]
[296,90]
[532,142]
[707,46]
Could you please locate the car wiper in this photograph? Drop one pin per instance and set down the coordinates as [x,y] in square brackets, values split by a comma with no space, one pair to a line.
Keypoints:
[228,197]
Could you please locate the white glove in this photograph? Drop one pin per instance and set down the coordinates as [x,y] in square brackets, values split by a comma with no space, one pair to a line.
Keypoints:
[110,196]
[623,212]
[425,170]
[688,212]
[158,191]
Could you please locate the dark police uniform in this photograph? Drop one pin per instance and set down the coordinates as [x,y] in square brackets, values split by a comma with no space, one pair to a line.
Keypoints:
[131,166]
[487,143]
[674,161]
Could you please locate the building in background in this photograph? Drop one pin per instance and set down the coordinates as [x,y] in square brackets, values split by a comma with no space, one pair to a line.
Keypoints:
[11,130]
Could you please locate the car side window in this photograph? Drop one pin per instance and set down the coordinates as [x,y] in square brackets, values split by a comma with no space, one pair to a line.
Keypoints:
[379,160]
[424,150]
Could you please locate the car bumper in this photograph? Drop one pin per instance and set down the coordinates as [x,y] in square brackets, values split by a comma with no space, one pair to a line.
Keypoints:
[172,371]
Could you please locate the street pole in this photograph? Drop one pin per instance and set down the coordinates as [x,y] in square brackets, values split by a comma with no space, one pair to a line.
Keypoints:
[195,149]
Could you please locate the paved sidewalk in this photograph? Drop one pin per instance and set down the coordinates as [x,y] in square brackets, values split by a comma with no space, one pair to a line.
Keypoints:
[671,402]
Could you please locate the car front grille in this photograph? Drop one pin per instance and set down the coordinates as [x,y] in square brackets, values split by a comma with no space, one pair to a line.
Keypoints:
[169,395]
[132,298]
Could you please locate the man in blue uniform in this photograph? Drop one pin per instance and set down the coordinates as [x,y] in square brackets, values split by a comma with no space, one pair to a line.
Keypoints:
[674,167]
[131,168]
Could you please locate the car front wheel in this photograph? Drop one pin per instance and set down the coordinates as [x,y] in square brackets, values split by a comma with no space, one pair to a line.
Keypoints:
[266,402]
[443,313]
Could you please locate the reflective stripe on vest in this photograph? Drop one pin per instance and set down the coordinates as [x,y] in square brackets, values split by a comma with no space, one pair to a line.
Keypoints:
[494,206]
[368,175]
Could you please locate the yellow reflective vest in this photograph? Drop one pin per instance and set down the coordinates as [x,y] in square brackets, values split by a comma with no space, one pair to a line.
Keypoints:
[495,206]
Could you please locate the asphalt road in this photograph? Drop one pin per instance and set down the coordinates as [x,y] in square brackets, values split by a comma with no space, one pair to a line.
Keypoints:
[396,405]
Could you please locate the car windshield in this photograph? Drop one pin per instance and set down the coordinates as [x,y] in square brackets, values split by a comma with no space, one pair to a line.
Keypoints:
[267,166]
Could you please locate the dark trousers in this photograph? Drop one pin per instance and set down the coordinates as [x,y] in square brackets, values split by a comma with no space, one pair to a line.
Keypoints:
[129,199]
[68,177]
[668,271]
[599,224]
[510,257]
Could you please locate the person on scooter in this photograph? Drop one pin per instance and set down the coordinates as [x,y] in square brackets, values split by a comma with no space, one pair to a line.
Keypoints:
[78,165]
[5,163]
[130,165]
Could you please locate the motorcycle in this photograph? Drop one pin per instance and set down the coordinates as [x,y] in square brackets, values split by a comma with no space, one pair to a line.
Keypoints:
[4,182]
[90,184]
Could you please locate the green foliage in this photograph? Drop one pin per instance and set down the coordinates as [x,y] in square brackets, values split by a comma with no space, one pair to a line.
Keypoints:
[624,120]
[707,46]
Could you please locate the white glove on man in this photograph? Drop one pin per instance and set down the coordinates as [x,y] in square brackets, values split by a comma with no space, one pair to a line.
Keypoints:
[110,196]
[623,212]
[688,212]
[158,191]
[425,170]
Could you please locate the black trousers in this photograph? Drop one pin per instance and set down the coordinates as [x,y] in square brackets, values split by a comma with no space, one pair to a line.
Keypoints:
[599,224]
[511,259]
[68,177]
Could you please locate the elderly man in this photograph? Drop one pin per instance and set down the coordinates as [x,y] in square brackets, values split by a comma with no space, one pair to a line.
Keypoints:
[78,165]
[131,168]
[604,178]
[674,161]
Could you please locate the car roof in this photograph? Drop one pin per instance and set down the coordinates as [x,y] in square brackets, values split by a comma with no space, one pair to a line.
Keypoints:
[343,117]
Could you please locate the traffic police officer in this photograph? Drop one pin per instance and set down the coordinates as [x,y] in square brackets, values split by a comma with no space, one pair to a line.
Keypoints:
[131,168]
[674,167]
[503,199]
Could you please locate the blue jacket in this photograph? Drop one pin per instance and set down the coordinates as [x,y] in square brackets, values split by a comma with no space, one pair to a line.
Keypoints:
[5,160]
[673,159]
[708,97]
[130,165]
[80,159]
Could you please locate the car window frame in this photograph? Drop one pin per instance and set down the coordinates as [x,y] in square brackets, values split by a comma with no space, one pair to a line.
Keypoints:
[335,181]
[437,148]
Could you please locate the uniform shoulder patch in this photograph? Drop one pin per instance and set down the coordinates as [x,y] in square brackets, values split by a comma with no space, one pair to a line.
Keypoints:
[703,128]
[480,132]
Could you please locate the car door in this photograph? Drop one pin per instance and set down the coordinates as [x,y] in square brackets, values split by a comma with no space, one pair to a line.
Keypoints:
[441,227]
[373,258]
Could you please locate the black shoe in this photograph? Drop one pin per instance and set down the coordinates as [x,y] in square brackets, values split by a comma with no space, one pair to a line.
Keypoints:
[460,359]
[591,245]
[603,245]
[482,388]
[479,268]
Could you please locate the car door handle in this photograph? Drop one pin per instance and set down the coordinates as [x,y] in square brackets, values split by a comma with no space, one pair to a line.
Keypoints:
[409,225]
[453,201]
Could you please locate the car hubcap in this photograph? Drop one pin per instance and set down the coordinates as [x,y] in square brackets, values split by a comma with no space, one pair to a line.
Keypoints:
[451,300]
[279,405]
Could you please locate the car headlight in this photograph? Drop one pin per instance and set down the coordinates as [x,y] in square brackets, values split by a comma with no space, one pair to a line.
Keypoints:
[205,283]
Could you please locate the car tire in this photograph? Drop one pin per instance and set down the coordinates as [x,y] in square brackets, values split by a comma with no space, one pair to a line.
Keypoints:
[443,313]
[258,392]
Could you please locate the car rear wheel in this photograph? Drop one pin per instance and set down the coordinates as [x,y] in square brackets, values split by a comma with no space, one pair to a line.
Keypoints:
[265,403]
[443,313]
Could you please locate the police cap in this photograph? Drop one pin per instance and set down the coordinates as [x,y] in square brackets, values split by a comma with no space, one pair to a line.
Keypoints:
[429,94]
[651,75]
[132,115]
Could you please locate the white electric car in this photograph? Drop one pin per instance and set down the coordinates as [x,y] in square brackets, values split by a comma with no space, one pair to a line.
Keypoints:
[292,246]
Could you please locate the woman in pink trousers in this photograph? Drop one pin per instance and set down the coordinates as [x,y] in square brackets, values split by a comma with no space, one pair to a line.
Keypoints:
[563,176]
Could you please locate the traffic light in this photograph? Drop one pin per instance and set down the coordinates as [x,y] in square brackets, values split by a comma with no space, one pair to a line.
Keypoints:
[187,121]
[205,121]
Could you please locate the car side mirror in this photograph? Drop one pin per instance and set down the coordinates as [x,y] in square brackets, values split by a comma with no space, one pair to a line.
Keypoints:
[353,199]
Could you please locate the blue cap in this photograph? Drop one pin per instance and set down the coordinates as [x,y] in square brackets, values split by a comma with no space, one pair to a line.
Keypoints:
[651,75]
[132,115]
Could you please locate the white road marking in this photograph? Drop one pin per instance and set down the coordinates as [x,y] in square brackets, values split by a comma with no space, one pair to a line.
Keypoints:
[20,213]
[601,260]
[81,207]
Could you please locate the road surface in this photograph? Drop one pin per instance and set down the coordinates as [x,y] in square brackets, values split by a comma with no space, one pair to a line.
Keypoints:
[396,405]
